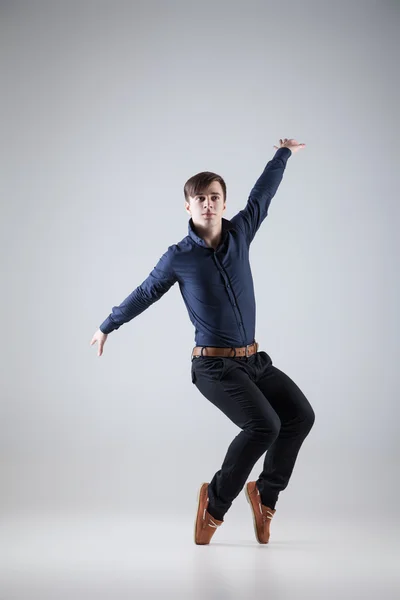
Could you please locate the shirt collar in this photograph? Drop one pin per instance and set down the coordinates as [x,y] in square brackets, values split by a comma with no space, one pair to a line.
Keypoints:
[226,226]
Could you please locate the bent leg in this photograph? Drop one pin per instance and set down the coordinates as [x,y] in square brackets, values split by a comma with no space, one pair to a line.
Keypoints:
[297,418]
[239,398]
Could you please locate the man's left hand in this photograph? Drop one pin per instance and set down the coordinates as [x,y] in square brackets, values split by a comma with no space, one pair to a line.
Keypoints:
[293,145]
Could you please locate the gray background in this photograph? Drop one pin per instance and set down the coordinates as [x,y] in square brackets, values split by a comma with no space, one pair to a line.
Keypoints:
[107,108]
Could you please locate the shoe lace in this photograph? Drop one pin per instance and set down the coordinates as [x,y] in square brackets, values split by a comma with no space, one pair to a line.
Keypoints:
[211,522]
[265,512]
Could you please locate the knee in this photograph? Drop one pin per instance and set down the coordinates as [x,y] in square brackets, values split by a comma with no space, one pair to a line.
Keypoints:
[308,419]
[267,430]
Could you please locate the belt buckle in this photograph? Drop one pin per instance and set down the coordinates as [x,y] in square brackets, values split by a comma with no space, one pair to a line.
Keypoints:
[247,350]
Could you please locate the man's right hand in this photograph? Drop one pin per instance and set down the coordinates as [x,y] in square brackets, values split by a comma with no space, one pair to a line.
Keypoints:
[100,337]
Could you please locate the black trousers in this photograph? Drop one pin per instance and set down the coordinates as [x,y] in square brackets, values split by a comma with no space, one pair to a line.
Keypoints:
[273,414]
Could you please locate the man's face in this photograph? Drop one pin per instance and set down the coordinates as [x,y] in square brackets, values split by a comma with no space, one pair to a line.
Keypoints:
[208,206]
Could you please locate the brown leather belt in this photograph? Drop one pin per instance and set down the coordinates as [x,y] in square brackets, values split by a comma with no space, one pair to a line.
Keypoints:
[232,352]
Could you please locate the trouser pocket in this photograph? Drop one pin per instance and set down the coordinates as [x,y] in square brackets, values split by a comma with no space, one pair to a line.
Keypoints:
[212,368]
[193,374]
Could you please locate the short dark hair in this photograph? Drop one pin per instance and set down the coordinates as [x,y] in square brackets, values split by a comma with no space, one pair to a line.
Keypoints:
[196,184]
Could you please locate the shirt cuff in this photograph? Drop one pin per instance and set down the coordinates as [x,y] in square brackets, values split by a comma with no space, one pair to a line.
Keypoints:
[107,326]
[283,154]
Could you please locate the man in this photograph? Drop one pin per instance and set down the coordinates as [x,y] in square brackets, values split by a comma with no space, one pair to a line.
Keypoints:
[212,267]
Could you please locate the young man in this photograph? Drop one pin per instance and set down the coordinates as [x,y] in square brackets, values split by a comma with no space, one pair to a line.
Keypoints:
[212,267]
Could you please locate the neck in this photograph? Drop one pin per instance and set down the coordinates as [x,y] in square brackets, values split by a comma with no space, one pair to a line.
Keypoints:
[211,234]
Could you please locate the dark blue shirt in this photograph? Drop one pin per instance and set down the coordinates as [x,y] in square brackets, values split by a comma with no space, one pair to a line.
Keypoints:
[216,285]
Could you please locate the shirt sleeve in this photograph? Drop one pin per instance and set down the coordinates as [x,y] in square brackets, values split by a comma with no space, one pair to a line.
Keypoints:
[250,218]
[159,281]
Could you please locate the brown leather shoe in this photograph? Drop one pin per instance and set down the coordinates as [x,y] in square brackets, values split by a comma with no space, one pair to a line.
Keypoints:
[205,525]
[262,514]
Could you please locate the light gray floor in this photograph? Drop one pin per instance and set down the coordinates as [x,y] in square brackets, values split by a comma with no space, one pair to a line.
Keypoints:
[73,557]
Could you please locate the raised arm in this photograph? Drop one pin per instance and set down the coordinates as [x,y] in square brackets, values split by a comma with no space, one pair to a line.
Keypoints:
[250,218]
[159,281]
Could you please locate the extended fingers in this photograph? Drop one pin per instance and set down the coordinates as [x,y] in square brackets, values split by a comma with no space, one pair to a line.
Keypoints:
[101,344]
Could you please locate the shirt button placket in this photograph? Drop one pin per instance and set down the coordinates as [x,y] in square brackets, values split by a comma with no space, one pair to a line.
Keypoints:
[228,287]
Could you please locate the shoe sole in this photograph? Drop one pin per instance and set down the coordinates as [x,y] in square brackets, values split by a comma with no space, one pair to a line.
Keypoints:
[252,514]
[197,513]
